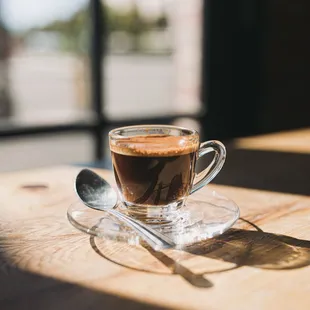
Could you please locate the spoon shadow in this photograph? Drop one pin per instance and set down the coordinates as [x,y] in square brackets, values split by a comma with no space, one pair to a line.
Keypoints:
[197,280]
[176,268]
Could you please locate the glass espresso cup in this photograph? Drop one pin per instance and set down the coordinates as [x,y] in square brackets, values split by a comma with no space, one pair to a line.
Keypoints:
[154,167]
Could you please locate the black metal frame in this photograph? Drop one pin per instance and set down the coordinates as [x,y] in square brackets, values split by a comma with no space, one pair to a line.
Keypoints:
[98,123]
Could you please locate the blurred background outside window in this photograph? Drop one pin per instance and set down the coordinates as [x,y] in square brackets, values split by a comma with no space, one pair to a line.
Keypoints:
[151,68]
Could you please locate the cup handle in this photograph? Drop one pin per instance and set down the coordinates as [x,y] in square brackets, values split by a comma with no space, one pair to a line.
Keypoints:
[208,174]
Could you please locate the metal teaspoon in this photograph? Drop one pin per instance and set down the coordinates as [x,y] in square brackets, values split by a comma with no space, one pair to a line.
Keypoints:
[97,193]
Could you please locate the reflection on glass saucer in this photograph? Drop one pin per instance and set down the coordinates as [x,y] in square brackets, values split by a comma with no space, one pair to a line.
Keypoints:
[198,220]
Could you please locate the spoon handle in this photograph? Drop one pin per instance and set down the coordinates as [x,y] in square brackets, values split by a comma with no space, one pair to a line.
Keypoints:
[153,237]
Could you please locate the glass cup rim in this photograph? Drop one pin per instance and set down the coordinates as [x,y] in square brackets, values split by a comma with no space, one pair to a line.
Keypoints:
[114,133]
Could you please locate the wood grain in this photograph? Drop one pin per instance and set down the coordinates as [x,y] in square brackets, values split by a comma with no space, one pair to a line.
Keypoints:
[262,263]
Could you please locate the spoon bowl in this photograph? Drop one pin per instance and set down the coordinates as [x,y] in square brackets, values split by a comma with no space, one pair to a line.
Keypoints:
[94,191]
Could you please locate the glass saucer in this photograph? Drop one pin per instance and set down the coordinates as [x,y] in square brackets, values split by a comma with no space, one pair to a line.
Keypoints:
[202,218]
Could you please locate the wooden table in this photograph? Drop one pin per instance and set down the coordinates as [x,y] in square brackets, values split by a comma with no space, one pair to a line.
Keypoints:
[262,263]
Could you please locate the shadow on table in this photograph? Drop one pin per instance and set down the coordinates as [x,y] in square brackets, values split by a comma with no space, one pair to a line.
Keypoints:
[195,279]
[241,247]
[265,170]
[24,290]
[255,248]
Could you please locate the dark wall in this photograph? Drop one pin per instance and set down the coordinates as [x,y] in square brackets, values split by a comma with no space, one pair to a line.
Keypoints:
[256,66]
[287,67]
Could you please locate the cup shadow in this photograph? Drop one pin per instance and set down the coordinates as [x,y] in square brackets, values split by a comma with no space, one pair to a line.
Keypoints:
[255,248]
[240,247]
